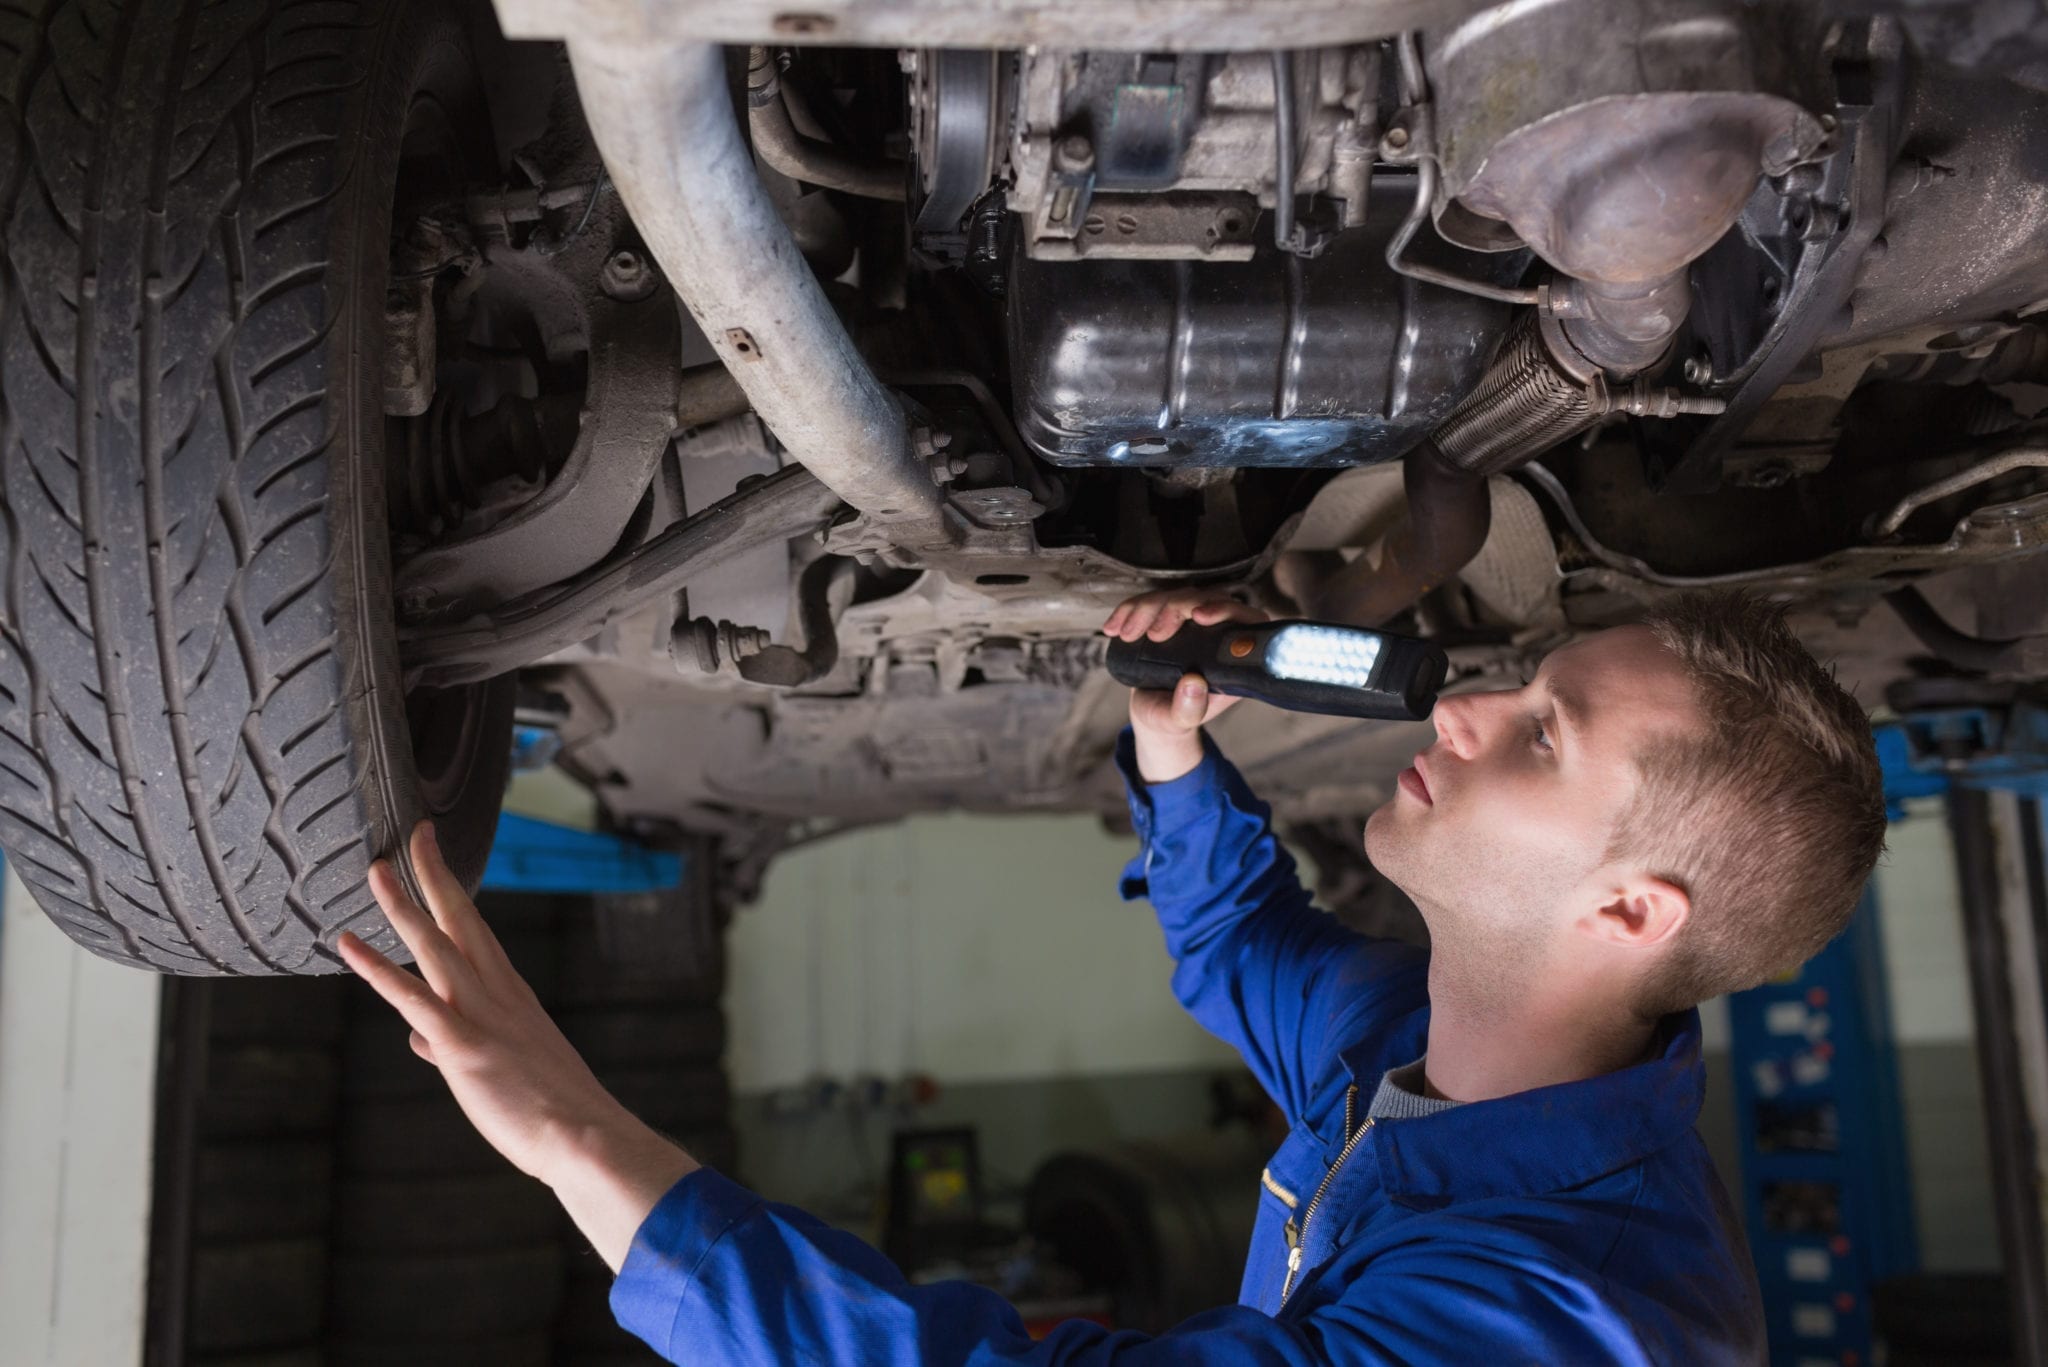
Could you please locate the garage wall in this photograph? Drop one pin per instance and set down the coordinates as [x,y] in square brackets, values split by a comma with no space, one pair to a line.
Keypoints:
[991,953]
[77,1105]
[1930,987]
[977,949]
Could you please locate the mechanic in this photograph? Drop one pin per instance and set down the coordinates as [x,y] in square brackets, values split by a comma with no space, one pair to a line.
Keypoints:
[1492,1154]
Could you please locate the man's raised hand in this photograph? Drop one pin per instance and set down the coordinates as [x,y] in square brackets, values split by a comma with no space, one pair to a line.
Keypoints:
[517,1078]
[1167,725]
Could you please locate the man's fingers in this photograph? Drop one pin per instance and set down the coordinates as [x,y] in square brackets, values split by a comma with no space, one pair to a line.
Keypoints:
[1171,616]
[413,999]
[1226,610]
[452,910]
[439,960]
[445,897]
[1161,613]
[1142,611]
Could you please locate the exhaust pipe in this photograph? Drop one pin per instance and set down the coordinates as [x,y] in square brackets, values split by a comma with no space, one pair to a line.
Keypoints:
[663,119]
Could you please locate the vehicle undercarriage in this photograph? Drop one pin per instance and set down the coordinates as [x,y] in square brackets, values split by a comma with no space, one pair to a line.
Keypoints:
[768,419]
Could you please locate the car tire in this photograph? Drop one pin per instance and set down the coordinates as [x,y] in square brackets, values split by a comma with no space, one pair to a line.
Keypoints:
[204,740]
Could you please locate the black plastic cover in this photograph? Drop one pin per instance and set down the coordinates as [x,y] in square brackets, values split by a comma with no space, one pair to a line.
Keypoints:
[1276,361]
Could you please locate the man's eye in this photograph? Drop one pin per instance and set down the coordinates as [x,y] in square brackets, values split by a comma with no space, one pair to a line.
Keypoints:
[1542,736]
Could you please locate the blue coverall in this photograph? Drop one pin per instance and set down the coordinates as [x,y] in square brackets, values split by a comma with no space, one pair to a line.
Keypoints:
[1574,1224]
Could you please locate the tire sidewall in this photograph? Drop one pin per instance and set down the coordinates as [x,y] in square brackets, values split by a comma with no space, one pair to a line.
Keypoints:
[424,46]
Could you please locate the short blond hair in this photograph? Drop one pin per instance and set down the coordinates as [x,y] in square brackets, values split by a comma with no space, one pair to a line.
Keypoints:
[1771,819]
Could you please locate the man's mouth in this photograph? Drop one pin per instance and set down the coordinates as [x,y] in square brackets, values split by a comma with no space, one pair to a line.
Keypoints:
[1415,785]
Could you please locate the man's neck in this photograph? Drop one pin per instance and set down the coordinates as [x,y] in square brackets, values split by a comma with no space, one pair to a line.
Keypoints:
[1486,1044]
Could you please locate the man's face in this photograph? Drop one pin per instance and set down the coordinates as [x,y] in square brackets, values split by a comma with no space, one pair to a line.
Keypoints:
[1499,824]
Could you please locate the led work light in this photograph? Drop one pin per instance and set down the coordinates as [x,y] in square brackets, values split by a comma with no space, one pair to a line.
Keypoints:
[1301,666]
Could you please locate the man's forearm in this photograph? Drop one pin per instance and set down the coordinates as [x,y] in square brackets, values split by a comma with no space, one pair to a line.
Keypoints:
[1164,758]
[609,1174]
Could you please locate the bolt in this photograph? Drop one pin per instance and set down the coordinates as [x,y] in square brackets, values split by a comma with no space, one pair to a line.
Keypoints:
[1074,153]
[1127,224]
[1094,223]
[1397,137]
[1925,173]
[1699,369]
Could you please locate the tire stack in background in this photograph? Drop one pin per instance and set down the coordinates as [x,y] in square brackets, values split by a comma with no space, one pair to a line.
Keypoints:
[642,981]
[258,1161]
[443,1252]
[334,1207]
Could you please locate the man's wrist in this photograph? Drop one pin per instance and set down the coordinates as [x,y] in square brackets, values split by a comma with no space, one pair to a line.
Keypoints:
[1162,759]
[609,1172]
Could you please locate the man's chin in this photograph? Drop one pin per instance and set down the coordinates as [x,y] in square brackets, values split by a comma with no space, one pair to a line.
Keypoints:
[1381,838]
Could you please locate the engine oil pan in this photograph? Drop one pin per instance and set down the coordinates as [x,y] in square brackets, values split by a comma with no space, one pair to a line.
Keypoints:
[1276,361]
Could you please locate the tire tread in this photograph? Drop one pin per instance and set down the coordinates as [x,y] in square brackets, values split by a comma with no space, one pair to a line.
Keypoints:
[183,784]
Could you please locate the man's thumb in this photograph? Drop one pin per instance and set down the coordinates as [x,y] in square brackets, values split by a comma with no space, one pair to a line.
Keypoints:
[1190,700]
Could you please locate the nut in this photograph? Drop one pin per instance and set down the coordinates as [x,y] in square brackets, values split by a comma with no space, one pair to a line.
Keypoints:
[1073,153]
[627,276]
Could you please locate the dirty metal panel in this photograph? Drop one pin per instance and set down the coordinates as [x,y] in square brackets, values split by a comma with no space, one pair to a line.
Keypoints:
[1149,25]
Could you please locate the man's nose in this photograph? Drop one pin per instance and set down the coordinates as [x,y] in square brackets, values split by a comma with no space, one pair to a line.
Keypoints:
[1466,721]
[1453,721]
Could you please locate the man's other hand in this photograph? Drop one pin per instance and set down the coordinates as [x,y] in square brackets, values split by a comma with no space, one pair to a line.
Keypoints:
[1167,725]
[513,1072]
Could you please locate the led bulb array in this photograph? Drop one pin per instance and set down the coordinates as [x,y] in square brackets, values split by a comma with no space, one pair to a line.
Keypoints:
[1321,654]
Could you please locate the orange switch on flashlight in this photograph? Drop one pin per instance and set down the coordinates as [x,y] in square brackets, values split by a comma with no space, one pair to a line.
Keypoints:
[1240,646]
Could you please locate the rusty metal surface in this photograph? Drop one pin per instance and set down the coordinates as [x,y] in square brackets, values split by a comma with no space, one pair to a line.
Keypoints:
[1996,532]
[1156,25]
[524,630]
[1623,159]
[662,115]
[629,411]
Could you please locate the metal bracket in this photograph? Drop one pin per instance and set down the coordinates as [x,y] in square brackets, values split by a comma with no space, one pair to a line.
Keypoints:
[628,415]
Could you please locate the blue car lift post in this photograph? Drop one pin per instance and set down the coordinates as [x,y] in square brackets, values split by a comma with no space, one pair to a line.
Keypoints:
[531,855]
[1825,1183]
[1976,754]
[1825,1190]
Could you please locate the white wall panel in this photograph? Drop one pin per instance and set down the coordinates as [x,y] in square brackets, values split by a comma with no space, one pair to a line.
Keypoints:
[77,1114]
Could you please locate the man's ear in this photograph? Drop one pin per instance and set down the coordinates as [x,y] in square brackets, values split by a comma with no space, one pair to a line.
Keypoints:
[1636,910]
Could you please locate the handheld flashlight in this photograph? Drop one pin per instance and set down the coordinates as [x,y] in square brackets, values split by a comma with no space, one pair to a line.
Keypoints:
[1301,666]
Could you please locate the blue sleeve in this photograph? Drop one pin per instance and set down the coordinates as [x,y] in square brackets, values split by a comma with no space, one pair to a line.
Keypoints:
[718,1277]
[1255,961]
